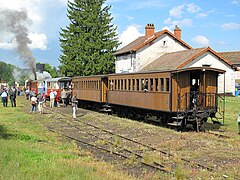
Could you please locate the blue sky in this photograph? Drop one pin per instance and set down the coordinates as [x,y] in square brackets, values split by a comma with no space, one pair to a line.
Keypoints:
[214,23]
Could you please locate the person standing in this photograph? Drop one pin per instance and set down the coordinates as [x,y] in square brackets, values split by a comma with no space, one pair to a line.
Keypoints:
[40,100]
[238,123]
[12,95]
[52,99]
[74,105]
[64,97]
[33,103]
[4,96]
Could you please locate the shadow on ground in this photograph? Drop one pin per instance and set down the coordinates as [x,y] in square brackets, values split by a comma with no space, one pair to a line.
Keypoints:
[3,133]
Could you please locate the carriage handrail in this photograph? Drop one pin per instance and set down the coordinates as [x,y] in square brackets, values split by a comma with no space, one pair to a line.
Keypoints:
[202,100]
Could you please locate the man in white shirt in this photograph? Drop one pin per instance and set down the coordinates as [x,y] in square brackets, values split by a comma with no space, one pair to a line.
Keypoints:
[4,96]
[52,99]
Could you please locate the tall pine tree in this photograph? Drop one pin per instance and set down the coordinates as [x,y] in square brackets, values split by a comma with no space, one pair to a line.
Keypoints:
[89,41]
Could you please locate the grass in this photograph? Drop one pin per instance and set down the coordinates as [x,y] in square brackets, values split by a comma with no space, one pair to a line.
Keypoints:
[29,151]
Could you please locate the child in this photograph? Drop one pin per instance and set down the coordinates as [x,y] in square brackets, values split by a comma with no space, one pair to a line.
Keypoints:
[74,105]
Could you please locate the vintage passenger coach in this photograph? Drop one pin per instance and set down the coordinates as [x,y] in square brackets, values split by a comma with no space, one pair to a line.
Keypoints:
[176,98]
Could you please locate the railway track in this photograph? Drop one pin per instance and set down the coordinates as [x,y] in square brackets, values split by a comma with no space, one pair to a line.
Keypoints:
[219,135]
[124,153]
[150,148]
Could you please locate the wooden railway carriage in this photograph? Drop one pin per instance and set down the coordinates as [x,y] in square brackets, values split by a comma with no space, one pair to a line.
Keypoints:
[90,88]
[177,97]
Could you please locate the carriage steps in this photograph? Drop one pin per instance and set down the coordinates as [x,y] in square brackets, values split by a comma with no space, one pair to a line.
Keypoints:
[106,108]
[177,121]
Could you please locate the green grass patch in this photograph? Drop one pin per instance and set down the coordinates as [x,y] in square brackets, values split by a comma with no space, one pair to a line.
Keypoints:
[29,151]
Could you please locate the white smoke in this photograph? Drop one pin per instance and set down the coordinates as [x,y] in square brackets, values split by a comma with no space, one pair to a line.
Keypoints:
[43,75]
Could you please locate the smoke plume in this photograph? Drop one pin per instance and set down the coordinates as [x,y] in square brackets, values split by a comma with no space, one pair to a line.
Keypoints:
[15,22]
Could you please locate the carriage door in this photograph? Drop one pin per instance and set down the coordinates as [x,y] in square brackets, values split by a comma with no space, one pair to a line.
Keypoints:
[104,87]
[194,88]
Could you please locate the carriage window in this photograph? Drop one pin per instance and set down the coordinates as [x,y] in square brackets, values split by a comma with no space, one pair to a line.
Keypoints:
[167,85]
[151,84]
[161,84]
[156,84]
[137,84]
[122,84]
[125,84]
[118,84]
[145,86]
[143,83]
[129,84]
[133,84]
[110,84]
[115,84]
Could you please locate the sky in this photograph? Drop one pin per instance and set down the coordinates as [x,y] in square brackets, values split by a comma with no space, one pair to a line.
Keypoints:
[214,23]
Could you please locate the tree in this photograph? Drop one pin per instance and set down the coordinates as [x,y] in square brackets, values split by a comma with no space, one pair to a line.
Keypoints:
[6,72]
[89,41]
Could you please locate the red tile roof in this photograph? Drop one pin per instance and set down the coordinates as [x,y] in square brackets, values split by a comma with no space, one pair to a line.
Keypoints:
[142,41]
[177,60]
[233,57]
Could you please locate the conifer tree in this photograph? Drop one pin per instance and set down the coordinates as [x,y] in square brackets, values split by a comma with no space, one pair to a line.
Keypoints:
[89,41]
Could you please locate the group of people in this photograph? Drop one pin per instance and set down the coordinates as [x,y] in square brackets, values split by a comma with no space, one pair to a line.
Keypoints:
[10,93]
[38,101]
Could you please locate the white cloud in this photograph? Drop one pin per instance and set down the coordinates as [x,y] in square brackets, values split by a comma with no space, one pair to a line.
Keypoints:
[181,23]
[7,45]
[130,34]
[177,11]
[36,13]
[201,40]
[167,21]
[192,8]
[222,42]
[236,2]
[39,41]
[32,7]
[202,15]
[166,28]
[230,26]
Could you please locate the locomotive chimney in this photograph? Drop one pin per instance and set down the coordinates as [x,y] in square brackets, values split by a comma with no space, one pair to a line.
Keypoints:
[177,32]
[149,30]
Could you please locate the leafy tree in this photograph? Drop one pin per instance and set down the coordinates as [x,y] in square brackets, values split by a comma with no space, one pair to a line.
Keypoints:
[89,41]
[51,70]
[6,72]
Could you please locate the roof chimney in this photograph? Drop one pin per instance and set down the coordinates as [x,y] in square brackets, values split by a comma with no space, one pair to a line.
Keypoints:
[177,32]
[149,30]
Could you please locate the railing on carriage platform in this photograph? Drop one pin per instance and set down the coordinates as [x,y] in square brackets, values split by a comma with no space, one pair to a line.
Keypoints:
[202,101]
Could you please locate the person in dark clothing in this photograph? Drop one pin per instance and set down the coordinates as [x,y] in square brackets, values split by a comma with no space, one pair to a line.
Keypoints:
[12,95]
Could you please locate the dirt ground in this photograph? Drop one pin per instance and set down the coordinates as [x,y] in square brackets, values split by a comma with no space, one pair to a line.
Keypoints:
[221,154]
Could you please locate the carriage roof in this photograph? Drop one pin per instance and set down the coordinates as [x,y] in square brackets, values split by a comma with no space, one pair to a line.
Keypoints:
[58,79]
